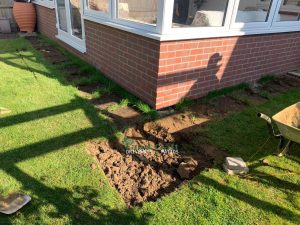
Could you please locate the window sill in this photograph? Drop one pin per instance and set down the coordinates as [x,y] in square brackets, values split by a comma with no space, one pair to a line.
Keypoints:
[67,40]
[194,33]
[127,28]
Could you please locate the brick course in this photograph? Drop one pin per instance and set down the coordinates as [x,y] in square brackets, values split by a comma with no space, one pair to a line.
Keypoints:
[161,73]
[193,68]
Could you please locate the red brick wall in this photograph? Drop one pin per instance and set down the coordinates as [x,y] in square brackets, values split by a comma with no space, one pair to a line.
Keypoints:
[46,22]
[130,60]
[163,73]
[195,67]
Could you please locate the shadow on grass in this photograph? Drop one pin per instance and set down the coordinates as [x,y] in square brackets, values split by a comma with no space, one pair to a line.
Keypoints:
[251,200]
[81,205]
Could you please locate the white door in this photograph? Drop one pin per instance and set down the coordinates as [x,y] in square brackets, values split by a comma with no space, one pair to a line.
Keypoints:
[70,23]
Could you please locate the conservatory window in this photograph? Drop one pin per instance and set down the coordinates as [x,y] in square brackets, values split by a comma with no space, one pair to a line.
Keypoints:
[199,13]
[289,11]
[253,11]
[98,5]
[141,11]
[75,14]
[97,8]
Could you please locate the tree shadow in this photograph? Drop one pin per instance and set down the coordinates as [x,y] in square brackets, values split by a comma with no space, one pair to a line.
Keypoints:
[81,205]
[242,196]
[66,203]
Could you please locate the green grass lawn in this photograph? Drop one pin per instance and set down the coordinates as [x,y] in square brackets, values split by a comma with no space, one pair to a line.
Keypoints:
[42,153]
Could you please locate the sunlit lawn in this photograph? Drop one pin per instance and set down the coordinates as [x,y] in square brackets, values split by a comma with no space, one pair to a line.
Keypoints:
[42,153]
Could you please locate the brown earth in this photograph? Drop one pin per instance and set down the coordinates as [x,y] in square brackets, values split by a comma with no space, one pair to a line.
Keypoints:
[148,163]
[281,84]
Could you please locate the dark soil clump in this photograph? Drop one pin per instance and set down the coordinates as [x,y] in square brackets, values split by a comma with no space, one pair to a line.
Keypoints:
[148,163]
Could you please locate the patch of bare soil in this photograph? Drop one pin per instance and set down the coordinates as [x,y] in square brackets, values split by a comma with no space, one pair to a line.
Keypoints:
[75,74]
[151,161]
[90,88]
[105,101]
[281,84]
[220,106]
[48,51]
[249,97]
[125,117]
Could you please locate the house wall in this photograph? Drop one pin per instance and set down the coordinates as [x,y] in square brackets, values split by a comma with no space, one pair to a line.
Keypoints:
[195,67]
[161,73]
[128,59]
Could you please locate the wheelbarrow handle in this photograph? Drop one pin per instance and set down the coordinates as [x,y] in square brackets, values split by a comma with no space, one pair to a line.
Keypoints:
[270,125]
[265,117]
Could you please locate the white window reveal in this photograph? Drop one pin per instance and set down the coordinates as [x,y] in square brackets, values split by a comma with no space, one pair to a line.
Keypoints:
[46,3]
[288,13]
[70,23]
[253,14]
[97,8]
[141,14]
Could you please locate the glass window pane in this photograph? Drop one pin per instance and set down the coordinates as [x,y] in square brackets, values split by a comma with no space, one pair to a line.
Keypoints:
[142,11]
[62,16]
[76,18]
[98,5]
[199,13]
[289,10]
[250,11]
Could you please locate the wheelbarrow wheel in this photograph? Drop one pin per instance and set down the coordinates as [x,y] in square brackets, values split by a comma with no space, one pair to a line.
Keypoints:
[285,149]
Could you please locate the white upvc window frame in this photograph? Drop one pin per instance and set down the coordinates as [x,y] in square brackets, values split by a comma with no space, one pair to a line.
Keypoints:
[97,14]
[132,23]
[112,19]
[253,25]
[68,37]
[163,31]
[46,3]
[201,32]
[278,24]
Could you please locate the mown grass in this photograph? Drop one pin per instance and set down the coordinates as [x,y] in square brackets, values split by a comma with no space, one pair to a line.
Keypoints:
[42,153]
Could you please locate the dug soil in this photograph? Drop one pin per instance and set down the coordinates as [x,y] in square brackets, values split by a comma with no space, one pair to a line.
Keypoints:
[151,161]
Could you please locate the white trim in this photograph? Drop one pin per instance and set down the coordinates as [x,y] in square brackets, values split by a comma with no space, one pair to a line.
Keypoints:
[131,29]
[68,37]
[112,17]
[164,32]
[165,16]
[283,23]
[186,33]
[72,41]
[133,23]
[232,33]
[254,25]
[94,13]
[46,3]
[200,30]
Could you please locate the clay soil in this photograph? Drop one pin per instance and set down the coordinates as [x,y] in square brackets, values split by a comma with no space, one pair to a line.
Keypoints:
[151,161]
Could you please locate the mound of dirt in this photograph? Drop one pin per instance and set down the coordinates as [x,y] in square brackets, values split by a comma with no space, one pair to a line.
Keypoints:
[149,162]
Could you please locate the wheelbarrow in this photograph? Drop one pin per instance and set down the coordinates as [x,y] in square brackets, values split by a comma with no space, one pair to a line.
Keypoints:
[288,123]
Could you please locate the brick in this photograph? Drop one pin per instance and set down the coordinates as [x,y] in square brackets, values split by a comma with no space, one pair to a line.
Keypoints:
[161,73]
